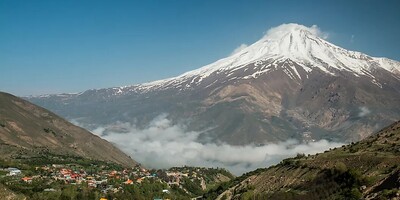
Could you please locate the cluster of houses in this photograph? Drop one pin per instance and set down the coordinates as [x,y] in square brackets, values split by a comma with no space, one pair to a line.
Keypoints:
[176,175]
[71,174]
[12,171]
[108,180]
[98,179]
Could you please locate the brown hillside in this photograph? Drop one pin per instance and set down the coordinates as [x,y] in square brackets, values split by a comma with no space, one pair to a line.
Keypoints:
[32,129]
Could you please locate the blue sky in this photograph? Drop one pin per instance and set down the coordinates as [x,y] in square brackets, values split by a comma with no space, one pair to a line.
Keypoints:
[70,46]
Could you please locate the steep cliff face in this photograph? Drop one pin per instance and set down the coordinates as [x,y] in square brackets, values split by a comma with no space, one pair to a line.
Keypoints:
[32,129]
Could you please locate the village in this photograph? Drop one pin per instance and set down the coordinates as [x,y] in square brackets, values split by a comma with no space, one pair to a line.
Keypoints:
[189,180]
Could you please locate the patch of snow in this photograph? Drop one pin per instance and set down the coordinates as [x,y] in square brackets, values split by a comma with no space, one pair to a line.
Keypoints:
[376,83]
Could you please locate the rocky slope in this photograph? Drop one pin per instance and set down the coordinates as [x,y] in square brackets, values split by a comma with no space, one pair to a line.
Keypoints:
[28,130]
[368,169]
[289,84]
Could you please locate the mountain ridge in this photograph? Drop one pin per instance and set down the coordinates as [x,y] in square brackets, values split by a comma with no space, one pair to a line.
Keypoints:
[257,101]
[287,42]
[366,169]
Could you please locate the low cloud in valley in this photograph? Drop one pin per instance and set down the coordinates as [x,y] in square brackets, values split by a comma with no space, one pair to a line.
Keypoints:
[163,145]
[363,112]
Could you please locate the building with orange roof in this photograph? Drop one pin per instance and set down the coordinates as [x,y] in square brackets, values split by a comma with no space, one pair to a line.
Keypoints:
[128,182]
[139,180]
[27,179]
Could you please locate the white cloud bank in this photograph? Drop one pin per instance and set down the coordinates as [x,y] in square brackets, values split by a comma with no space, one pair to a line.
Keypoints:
[276,32]
[279,31]
[239,48]
[164,145]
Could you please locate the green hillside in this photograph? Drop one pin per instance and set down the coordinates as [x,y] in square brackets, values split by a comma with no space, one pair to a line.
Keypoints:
[367,169]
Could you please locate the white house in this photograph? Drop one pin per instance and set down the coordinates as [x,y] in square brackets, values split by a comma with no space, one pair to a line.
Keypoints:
[14,171]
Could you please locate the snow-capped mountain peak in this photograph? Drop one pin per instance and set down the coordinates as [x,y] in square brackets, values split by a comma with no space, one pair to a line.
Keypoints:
[306,46]
[303,45]
[291,83]
[288,43]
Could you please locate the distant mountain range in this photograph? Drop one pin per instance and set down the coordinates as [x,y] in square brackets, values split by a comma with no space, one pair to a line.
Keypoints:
[289,84]
[28,131]
[368,169]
